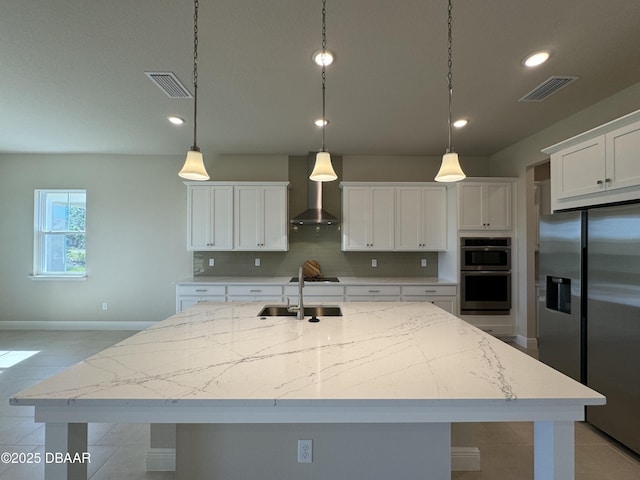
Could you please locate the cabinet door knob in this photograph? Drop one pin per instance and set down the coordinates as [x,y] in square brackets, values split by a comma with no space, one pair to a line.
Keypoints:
[608,180]
[599,182]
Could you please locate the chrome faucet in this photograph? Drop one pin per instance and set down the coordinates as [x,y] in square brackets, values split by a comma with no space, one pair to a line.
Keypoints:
[300,307]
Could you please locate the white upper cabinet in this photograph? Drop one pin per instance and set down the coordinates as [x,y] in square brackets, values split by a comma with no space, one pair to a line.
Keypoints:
[260,215]
[484,206]
[599,166]
[368,218]
[623,157]
[237,216]
[400,216]
[421,218]
[210,222]
[580,169]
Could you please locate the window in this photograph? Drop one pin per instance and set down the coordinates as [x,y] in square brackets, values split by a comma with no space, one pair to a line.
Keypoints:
[59,244]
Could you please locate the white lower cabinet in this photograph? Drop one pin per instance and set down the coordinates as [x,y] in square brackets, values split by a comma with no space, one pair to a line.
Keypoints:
[443,296]
[189,295]
[372,293]
[251,293]
[314,294]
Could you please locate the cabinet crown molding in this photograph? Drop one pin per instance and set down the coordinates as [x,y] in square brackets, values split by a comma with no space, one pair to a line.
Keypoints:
[594,132]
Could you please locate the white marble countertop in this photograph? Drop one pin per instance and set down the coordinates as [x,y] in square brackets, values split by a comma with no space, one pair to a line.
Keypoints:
[343,281]
[377,354]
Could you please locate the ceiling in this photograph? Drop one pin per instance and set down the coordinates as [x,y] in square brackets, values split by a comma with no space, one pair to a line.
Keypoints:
[73,73]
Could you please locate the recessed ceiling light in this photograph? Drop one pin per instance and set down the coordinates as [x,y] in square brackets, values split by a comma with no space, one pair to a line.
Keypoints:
[319,122]
[535,59]
[323,57]
[460,123]
[175,120]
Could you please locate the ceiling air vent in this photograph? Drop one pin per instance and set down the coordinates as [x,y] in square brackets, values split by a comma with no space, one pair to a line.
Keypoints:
[547,88]
[169,84]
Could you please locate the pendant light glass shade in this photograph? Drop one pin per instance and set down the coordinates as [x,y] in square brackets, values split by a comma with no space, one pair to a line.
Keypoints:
[193,168]
[450,170]
[323,169]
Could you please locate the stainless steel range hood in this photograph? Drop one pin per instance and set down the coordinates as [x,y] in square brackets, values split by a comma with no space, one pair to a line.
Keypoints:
[315,214]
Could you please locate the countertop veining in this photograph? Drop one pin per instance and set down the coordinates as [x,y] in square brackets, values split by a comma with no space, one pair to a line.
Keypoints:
[376,352]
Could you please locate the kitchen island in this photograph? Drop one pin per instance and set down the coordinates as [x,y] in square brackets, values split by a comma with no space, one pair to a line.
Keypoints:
[380,363]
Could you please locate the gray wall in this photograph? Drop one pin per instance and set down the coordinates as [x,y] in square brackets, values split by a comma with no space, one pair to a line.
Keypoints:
[340,451]
[136,224]
[137,230]
[518,161]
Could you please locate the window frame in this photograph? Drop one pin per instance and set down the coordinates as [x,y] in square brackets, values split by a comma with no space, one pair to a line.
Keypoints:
[40,231]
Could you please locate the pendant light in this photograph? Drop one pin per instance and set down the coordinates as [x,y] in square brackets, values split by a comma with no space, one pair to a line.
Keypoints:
[193,168]
[323,169]
[450,170]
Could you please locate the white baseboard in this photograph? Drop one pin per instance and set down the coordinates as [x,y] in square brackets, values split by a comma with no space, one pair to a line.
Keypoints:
[466,459]
[68,325]
[161,460]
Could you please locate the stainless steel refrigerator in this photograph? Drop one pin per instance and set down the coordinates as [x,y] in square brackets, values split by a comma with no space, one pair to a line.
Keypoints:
[589,310]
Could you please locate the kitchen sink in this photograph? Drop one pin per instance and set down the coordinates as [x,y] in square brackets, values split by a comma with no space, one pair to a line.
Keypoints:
[309,311]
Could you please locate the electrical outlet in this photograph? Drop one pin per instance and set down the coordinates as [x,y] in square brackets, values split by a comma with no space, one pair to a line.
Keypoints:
[305,451]
[374,262]
[257,262]
[423,262]
[105,306]
[212,262]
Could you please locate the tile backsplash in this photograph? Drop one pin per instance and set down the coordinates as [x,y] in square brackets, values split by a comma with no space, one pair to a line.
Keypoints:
[321,243]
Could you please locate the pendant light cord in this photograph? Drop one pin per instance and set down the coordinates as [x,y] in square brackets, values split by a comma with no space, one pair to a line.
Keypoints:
[450,64]
[195,75]
[324,70]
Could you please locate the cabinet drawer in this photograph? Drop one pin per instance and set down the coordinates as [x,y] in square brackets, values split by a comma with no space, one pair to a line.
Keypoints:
[373,298]
[314,290]
[200,290]
[254,290]
[423,290]
[375,290]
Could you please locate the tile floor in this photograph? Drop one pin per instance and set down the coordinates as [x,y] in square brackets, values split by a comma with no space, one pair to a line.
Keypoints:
[118,451]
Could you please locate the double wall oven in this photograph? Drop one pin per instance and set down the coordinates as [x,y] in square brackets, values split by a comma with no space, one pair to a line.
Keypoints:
[485,275]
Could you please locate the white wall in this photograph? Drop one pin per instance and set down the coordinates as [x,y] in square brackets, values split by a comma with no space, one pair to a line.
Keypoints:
[517,159]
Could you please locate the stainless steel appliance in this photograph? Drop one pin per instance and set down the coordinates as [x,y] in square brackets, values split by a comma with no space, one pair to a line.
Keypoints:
[589,311]
[485,253]
[485,276]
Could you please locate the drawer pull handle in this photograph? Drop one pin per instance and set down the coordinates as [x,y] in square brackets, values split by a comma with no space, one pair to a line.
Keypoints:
[429,291]
[201,290]
[374,291]
[255,290]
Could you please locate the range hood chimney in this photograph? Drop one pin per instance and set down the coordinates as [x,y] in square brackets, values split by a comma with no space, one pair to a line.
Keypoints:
[315,214]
